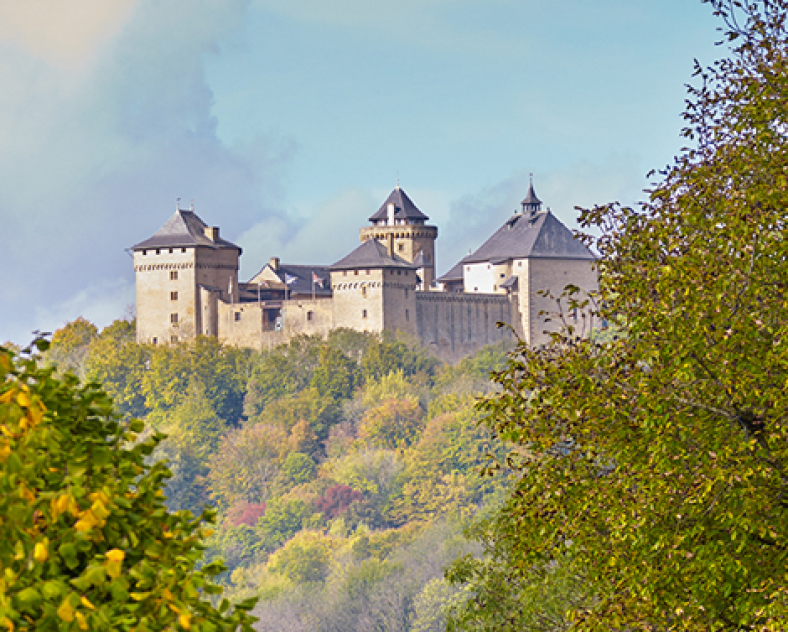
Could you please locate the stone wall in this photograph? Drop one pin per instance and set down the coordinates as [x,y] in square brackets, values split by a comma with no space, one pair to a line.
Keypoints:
[166,294]
[452,325]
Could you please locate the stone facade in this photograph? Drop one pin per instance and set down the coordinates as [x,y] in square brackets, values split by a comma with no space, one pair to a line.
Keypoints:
[187,284]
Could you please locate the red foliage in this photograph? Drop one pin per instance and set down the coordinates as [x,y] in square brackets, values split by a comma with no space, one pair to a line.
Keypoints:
[245,513]
[336,500]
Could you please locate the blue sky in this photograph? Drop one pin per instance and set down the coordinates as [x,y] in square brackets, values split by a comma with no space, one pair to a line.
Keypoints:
[288,123]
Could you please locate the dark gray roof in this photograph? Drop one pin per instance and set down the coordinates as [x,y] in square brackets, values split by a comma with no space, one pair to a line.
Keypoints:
[303,279]
[421,260]
[530,198]
[405,208]
[371,254]
[184,228]
[511,282]
[538,236]
[455,274]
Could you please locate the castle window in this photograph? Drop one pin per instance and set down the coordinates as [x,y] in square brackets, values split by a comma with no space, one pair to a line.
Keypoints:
[237,316]
[363,313]
[344,272]
[144,252]
[407,315]
[173,275]
[173,339]
[183,249]
[170,250]
[363,290]
[355,272]
[401,247]
[155,341]
[502,275]
[399,272]
[158,252]
[366,271]
[310,315]
[174,318]
[406,292]
[173,296]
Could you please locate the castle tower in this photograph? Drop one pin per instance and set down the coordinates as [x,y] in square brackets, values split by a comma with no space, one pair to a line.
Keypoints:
[182,272]
[374,289]
[400,221]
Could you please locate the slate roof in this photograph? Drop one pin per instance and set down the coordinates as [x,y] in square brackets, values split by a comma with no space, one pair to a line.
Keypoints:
[303,279]
[536,236]
[405,208]
[184,228]
[530,199]
[456,273]
[421,260]
[371,254]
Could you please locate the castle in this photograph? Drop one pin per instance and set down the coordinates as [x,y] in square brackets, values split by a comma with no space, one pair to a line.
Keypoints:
[187,284]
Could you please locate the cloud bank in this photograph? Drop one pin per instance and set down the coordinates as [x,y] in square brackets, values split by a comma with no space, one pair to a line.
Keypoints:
[105,119]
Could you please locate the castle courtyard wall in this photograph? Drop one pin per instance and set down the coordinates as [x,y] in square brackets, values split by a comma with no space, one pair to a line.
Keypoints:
[452,325]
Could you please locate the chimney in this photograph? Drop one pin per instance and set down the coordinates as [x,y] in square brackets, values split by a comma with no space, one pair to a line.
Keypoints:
[390,244]
[391,208]
[212,232]
[274,263]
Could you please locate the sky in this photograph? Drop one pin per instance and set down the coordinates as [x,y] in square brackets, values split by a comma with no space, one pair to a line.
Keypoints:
[288,122]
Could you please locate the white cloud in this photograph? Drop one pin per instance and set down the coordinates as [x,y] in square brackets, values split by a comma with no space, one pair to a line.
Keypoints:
[64,33]
[101,130]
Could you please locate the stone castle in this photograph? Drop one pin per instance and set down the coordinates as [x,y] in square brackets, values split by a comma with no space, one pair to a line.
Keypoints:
[187,284]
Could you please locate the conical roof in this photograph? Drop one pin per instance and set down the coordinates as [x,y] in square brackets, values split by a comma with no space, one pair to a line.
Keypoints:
[404,207]
[184,228]
[530,201]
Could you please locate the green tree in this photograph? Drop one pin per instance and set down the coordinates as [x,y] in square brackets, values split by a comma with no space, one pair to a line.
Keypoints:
[660,459]
[395,424]
[304,559]
[70,344]
[221,370]
[85,540]
[335,375]
[118,363]
[246,464]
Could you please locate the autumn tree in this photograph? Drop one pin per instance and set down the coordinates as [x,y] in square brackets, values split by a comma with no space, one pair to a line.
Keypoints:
[70,344]
[659,459]
[86,542]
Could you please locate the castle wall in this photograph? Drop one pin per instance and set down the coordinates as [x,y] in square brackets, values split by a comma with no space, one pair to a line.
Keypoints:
[452,324]
[358,299]
[553,275]
[399,301]
[166,295]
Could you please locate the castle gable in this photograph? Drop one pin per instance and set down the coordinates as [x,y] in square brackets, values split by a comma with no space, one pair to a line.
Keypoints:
[298,279]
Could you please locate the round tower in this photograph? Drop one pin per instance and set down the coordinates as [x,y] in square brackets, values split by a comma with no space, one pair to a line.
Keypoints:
[400,225]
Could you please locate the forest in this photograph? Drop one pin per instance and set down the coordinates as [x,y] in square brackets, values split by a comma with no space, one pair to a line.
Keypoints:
[342,470]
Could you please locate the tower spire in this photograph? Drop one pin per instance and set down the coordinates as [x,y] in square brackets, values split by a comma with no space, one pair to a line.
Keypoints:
[531,203]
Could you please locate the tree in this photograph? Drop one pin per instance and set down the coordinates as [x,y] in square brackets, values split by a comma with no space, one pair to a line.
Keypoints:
[117,362]
[246,464]
[86,542]
[660,459]
[70,345]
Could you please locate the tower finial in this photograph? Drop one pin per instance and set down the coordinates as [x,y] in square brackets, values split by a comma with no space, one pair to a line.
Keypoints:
[177,204]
